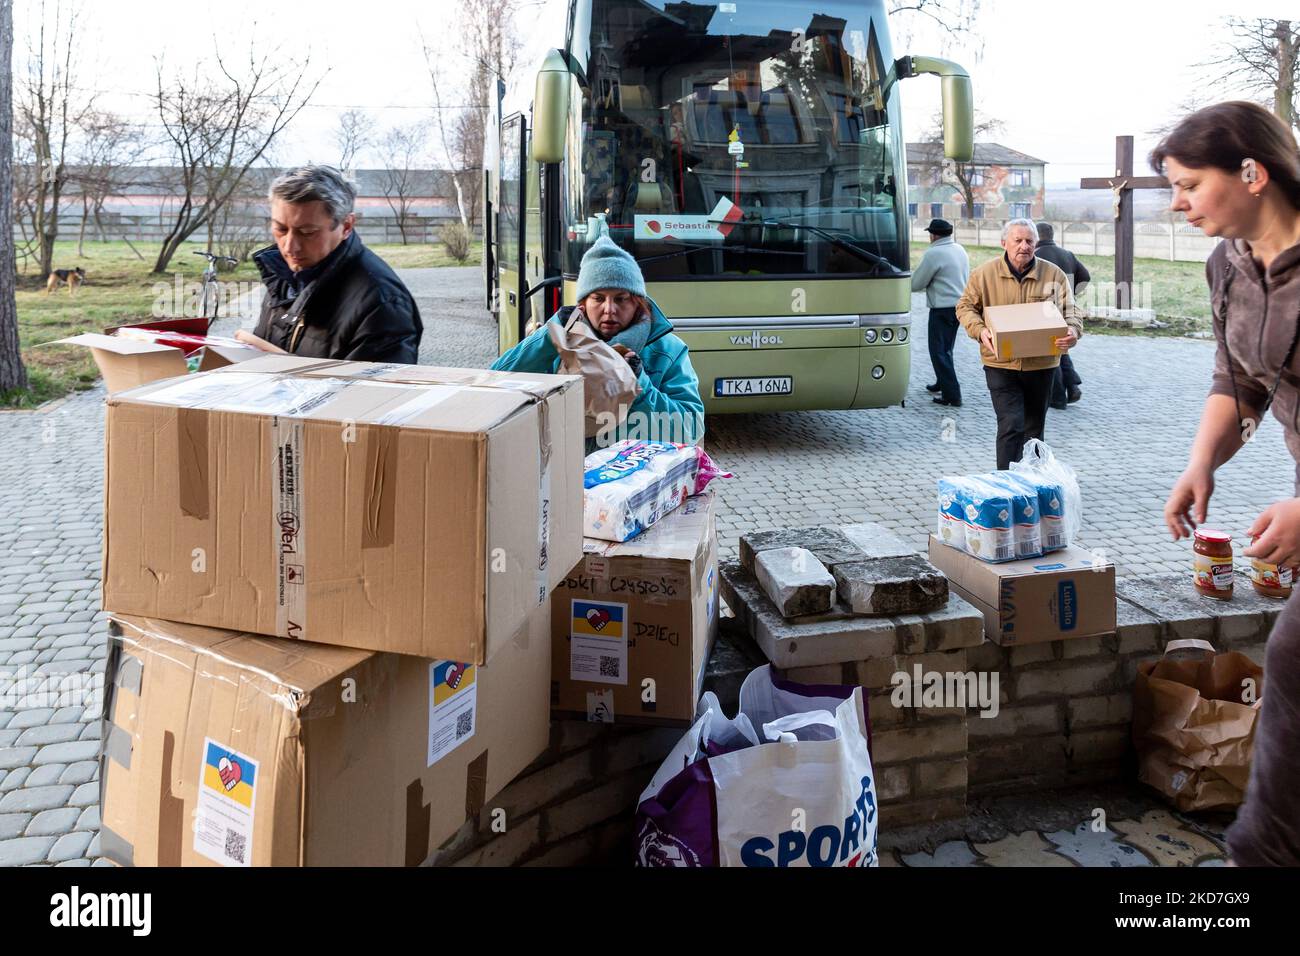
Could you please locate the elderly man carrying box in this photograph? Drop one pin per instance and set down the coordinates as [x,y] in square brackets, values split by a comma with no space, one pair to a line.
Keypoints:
[1020,388]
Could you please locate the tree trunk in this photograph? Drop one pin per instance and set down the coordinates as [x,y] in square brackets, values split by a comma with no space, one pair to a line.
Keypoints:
[81,234]
[13,375]
[1284,94]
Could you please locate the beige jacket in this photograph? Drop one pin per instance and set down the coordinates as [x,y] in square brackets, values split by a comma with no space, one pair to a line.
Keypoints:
[993,284]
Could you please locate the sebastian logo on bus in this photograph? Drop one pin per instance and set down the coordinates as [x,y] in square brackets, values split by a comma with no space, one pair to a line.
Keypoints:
[717,225]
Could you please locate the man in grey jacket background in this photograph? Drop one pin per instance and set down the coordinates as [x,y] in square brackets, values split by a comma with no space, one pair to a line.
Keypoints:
[942,275]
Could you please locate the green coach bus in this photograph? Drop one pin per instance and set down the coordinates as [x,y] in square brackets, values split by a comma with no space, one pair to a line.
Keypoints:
[750,156]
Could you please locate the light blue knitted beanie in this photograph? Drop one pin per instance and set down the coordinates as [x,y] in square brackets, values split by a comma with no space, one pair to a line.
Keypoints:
[606,266]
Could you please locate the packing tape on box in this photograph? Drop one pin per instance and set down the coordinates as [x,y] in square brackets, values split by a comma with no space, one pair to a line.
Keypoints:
[130,673]
[192,461]
[543,500]
[418,823]
[118,746]
[115,847]
[476,784]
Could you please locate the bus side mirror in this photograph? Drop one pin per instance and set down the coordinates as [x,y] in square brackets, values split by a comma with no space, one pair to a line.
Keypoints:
[550,109]
[958,102]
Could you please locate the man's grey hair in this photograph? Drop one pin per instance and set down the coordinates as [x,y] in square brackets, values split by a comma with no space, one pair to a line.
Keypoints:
[1012,223]
[316,183]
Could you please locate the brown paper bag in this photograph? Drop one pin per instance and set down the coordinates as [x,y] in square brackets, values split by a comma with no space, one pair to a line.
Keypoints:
[609,387]
[1194,725]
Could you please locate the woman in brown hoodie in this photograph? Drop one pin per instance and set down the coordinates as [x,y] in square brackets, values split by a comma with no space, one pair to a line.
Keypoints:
[1235,173]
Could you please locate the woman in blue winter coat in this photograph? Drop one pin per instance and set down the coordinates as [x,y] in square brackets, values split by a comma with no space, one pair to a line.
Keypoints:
[613,301]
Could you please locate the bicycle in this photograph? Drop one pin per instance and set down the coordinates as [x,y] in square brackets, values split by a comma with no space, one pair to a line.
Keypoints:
[211,292]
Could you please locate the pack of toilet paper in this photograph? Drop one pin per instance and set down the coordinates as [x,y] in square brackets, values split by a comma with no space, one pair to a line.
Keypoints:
[632,484]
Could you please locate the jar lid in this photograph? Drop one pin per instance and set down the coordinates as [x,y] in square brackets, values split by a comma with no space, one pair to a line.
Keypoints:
[1209,534]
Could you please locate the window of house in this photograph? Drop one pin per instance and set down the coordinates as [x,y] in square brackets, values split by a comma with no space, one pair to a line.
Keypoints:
[913,176]
[936,210]
[911,210]
[977,210]
[975,175]
[1018,177]
[1020,210]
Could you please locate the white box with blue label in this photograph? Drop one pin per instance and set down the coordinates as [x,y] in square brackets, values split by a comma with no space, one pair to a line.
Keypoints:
[633,623]
[1060,595]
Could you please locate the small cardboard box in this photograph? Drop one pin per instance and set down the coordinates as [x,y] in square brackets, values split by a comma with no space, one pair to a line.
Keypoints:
[637,611]
[1062,594]
[231,749]
[1027,330]
[393,508]
[125,363]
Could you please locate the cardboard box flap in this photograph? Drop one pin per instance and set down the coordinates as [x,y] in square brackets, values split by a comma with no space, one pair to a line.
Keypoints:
[681,534]
[234,353]
[1024,317]
[302,667]
[113,343]
[536,384]
[446,408]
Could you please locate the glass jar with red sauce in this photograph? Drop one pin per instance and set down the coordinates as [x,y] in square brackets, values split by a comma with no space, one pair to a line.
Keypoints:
[1212,563]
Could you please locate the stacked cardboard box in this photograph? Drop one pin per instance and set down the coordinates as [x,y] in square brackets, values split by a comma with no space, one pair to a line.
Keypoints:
[331,585]
[634,622]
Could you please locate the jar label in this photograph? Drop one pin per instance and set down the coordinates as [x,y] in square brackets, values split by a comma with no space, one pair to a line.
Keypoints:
[1270,575]
[1212,574]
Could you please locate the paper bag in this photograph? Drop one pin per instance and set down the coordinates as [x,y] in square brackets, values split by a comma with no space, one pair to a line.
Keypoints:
[609,386]
[1194,725]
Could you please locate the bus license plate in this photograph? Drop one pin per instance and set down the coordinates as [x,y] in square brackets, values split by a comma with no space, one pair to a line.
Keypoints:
[771,385]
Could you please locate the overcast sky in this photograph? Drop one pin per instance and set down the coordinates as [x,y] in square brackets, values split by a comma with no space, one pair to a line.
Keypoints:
[1065,78]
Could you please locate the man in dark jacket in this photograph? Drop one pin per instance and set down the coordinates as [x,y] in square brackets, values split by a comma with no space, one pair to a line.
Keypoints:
[1065,385]
[327,295]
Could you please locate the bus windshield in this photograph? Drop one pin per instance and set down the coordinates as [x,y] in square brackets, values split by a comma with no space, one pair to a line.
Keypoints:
[758,137]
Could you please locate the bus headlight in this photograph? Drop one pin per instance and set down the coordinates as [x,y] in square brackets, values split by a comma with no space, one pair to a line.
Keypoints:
[886,335]
[902,335]
[870,336]
[878,372]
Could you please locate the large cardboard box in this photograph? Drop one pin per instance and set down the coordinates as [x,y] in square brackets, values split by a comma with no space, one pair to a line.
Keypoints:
[637,611]
[1062,594]
[1027,330]
[232,749]
[394,508]
[126,362]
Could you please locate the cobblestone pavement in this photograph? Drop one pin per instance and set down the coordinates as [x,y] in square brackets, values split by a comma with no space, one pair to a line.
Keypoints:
[1128,439]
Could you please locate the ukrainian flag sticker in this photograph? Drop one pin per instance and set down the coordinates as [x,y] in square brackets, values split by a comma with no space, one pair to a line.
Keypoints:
[229,774]
[599,619]
[451,678]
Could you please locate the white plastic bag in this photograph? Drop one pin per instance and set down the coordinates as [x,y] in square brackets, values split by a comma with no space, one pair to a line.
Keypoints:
[787,782]
[1038,464]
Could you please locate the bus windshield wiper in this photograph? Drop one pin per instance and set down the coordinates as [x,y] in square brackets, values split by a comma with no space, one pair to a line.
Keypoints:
[714,247]
[835,239]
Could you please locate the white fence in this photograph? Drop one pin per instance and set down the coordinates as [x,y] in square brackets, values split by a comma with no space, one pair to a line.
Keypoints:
[1151,240]
[145,228]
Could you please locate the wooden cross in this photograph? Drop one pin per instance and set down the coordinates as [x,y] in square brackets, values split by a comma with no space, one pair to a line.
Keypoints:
[1122,185]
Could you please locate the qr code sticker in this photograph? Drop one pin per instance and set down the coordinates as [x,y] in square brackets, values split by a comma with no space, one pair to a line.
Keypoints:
[609,666]
[464,724]
[236,844]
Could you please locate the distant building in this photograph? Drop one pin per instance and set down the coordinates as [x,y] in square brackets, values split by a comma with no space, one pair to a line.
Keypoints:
[155,191]
[1006,184]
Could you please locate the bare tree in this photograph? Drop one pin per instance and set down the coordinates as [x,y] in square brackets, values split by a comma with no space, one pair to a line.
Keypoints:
[218,126]
[109,153]
[401,150]
[1261,57]
[355,131]
[956,21]
[13,374]
[488,45]
[965,178]
[50,111]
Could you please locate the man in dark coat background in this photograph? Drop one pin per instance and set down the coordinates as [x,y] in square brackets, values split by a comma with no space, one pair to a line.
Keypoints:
[327,295]
[1065,386]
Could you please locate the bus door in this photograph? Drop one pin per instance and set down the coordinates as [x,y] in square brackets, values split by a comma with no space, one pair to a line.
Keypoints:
[510,234]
